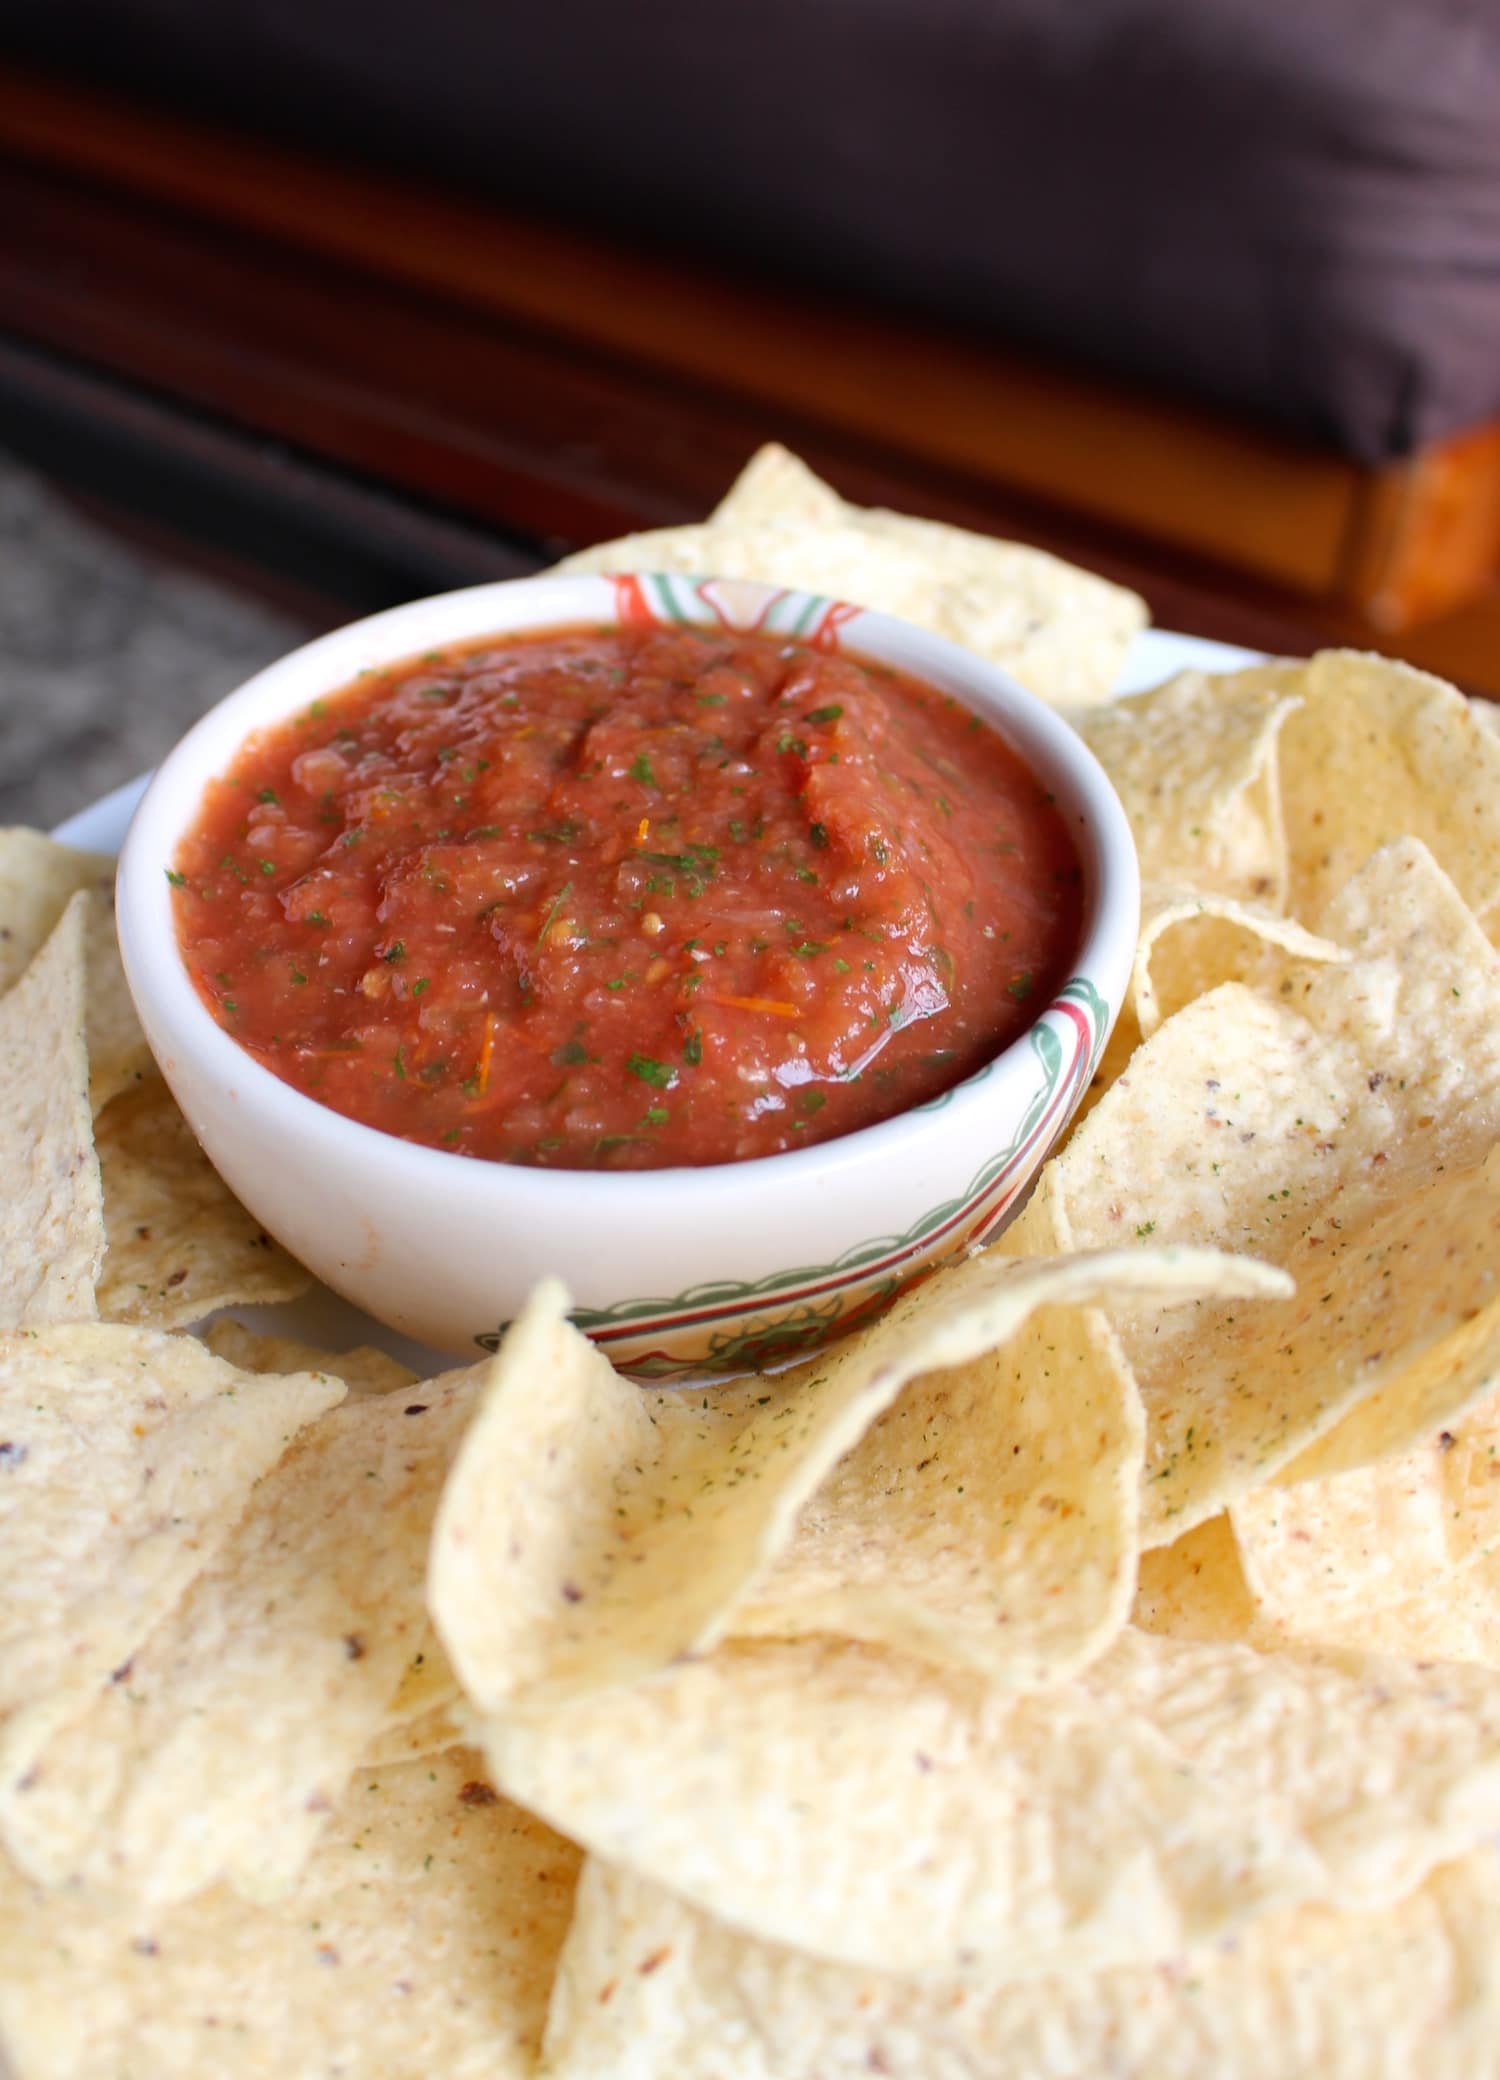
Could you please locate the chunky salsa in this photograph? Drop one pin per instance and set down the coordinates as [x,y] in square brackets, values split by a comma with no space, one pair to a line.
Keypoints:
[614,898]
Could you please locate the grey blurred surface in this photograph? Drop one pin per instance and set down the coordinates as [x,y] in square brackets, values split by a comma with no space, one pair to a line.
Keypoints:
[107,652]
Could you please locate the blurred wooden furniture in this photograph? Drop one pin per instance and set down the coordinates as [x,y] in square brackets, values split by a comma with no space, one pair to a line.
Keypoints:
[516,376]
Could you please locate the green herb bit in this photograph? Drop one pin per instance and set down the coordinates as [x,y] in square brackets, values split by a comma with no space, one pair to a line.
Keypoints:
[660,1075]
[551,918]
[640,769]
[655,1116]
[711,700]
[829,714]
[1019,986]
[396,951]
[819,835]
[450,1137]
[805,874]
[400,1064]
[841,967]
[808,948]
[269,794]
[422,982]
[317,917]
[569,1055]
[298,976]
[692,1050]
[617,984]
[177,880]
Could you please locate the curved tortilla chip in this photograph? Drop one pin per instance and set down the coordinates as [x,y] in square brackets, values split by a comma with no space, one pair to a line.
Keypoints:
[1167,1796]
[127,1458]
[1061,631]
[647,1986]
[1194,763]
[267,1684]
[1378,751]
[593,1532]
[422,1940]
[180,1243]
[51,1219]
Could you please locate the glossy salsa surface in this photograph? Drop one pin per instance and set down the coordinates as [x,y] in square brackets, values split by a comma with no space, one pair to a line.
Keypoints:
[617,898]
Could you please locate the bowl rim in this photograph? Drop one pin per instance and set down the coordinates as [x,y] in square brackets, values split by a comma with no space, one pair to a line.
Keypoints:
[157,973]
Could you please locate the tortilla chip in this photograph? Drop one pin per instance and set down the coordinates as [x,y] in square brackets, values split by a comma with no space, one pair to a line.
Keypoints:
[1194,762]
[422,1941]
[988,1519]
[1337,1133]
[38,878]
[1195,1588]
[51,1223]
[180,1243]
[1379,751]
[267,1684]
[824,1795]
[646,1986]
[593,1531]
[126,1458]
[1061,631]
[1198,1589]
[1189,944]
[363,1370]
[430,1733]
[1363,1537]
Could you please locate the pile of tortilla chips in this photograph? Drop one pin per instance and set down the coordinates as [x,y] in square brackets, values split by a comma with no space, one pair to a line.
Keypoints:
[1091,1669]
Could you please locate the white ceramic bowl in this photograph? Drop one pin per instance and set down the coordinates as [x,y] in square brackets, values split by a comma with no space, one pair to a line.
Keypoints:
[672,1270]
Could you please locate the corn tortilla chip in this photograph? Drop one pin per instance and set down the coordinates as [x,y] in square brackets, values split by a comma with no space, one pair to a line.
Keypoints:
[1194,763]
[1165,1797]
[125,1458]
[1061,631]
[430,1733]
[1189,944]
[267,1684]
[1323,1552]
[988,1519]
[363,1370]
[1197,1589]
[593,1531]
[38,878]
[421,1941]
[1336,1132]
[1378,751]
[180,1243]
[646,1986]
[51,1221]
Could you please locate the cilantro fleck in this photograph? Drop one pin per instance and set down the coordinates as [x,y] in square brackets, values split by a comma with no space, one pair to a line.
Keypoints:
[819,835]
[422,982]
[692,1050]
[269,794]
[640,769]
[655,1116]
[1019,986]
[400,1064]
[829,714]
[660,1075]
[316,917]
[177,880]
[1145,1228]
[570,1054]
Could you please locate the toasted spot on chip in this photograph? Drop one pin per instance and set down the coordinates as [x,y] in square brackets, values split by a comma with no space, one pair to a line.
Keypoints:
[51,1224]
[593,1532]
[127,1457]
[180,1243]
[422,1939]
[1304,1995]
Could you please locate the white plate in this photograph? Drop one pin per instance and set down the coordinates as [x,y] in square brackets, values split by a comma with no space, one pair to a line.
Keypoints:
[321,1318]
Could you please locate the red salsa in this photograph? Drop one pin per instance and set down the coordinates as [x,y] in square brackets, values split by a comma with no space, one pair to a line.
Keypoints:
[614,898]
